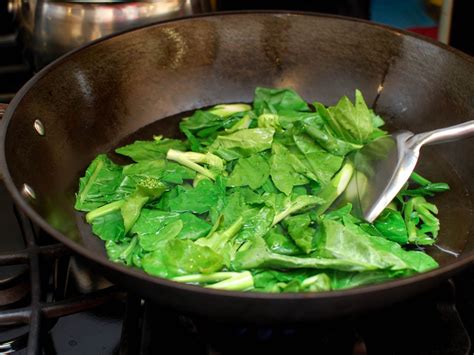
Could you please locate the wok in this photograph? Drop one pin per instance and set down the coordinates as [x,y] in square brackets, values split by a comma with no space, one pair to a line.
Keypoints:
[136,84]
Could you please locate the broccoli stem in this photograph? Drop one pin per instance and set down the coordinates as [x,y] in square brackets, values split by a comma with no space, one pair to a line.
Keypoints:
[98,168]
[318,282]
[217,240]
[124,255]
[296,205]
[335,187]
[243,123]
[420,180]
[226,110]
[241,282]
[232,281]
[206,278]
[106,209]
[204,158]
[180,157]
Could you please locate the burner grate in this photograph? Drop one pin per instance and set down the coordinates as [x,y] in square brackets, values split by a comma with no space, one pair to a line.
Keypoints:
[35,314]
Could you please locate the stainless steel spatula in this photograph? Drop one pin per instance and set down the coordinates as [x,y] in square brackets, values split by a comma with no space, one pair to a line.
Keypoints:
[382,167]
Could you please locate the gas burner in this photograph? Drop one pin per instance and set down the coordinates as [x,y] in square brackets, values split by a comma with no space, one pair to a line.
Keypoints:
[427,324]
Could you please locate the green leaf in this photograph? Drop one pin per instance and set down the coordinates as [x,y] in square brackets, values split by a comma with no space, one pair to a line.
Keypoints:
[227,110]
[255,254]
[323,164]
[242,143]
[147,190]
[256,223]
[234,207]
[281,244]
[323,135]
[109,226]
[181,257]
[243,123]
[162,170]
[351,122]
[219,240]
[252,171]
[99,184]
[296,205]
[150,150]
[274,100]
[131,209]
[269,120]
[286,171]
[278,281]
[201,199]
[353,244]
[193,227]
[200,120]
[151,220]
[300,231]
[343,280]
[123,251]
[337,214]
[317,283]
[426,187]
[391,225]
[421,222]
[166,232]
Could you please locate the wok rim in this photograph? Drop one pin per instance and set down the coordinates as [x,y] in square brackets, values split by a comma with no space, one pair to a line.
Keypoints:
[434,274]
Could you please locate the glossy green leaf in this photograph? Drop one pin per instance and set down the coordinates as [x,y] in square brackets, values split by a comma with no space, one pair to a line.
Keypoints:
[200,199]
[242,143]
[181,257]
[255,254]
[99,184]
[274,100]
[285,169]
[391,225]
[161,169]
[193,227]
[166,232]
[123,251]
[323,164]
[109,226]
[150,150]
[353,244]
[300,231]
[252,171]
[279,243]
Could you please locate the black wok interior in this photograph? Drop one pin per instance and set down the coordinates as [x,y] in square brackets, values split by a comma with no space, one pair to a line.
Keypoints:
[121,89]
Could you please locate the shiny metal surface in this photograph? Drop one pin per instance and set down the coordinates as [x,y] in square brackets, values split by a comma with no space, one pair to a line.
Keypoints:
[49,29]
[38,126]
[384,166]
[28,192]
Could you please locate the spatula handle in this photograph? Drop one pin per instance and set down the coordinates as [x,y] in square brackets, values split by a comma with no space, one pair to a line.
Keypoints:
[444,135]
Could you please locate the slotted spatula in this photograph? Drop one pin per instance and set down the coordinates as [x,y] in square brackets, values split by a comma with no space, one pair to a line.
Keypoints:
[382,167]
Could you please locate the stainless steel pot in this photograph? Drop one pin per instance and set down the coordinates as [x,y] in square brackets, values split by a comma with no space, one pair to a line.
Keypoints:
[48,28]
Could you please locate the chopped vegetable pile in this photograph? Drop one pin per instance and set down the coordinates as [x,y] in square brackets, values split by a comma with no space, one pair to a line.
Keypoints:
[244,202]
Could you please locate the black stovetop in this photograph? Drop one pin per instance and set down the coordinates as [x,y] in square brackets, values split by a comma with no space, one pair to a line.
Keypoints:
[52,303]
